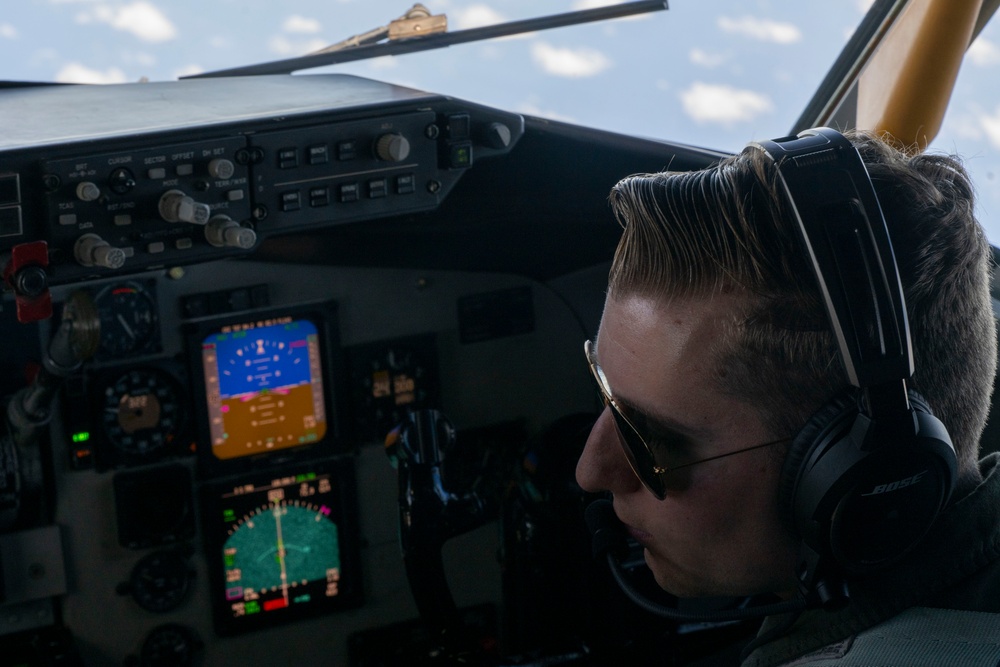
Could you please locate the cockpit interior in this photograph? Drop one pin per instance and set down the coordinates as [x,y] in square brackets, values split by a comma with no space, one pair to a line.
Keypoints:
[292,373]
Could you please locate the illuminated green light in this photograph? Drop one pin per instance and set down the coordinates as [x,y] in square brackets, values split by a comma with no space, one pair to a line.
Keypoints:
[82,436]
[252,607]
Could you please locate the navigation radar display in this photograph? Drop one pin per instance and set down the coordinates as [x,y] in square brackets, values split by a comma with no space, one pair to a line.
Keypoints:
[264,383]
[284,550]
[286,543]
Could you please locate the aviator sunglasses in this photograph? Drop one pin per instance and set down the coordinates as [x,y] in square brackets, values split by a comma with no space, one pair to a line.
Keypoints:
[649,463]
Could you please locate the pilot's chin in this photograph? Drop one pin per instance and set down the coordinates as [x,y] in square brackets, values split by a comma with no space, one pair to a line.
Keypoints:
[671,581]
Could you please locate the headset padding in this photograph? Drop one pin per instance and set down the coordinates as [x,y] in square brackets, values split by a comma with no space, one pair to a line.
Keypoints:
[838,412]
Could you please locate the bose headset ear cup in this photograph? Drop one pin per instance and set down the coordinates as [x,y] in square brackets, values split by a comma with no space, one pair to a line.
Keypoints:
[889,504]
[865,505]
[835,415]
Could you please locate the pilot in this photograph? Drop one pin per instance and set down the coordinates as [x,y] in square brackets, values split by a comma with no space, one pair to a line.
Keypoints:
[715,352]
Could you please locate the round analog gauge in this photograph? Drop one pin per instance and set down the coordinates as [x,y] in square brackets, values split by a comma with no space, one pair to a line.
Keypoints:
[128,319]
[170,645]
[142,412]
[160,581]
[280,553]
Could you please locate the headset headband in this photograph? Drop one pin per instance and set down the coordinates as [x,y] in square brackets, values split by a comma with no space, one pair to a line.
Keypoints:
[841,222]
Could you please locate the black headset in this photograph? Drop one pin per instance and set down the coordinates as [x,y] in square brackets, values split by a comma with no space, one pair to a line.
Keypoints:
[866,476]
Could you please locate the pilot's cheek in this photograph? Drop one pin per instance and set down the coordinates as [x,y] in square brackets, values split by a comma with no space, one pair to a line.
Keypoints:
[602,465]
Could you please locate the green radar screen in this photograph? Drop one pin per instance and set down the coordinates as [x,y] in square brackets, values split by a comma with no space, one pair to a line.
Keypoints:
[276,555]
[286,551]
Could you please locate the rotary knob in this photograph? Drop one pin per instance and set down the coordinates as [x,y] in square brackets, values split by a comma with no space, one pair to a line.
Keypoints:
[92,250]
[87,191]
[224,232]
[221,168]
[175,206]
[392,147]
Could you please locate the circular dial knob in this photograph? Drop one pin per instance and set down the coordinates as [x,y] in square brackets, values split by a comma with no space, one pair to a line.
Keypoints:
[92,250]
[121,181]
[87,191]
[221,168]
[224,232]
[392,147]
[175,206]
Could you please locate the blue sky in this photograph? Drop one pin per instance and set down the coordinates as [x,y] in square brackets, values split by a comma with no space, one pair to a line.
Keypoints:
[714,74]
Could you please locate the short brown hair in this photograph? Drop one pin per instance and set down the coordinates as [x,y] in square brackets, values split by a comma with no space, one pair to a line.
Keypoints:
[728,228]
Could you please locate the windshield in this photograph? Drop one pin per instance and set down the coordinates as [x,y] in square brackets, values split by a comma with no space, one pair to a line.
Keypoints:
[713,74]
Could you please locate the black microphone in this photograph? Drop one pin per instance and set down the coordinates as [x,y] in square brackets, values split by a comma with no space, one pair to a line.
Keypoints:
[609,540]
[607,533]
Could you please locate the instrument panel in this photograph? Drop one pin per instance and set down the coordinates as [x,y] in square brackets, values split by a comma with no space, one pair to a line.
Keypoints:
[189,550]
[206,454]
[190,171]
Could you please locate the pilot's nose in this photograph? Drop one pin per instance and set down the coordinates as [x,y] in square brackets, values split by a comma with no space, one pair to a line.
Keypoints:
[602,465]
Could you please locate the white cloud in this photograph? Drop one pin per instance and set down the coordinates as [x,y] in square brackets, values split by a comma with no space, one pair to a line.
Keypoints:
[965,126]
[479,16]
[138,57]
[580,5]
[383,63]
[296,23]
[77,73]
[991,126]
[531,108]
[983,52]
[188,70]
[761,29]
[864,5]
[706,59]
[474,16]
[285,47]
[8,31]
[707,103]
[141,18]
[570,63]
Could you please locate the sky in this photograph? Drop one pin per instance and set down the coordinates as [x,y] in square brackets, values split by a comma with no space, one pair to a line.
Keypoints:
[713,73]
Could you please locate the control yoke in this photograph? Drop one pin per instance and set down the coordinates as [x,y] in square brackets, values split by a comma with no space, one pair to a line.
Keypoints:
[429,516]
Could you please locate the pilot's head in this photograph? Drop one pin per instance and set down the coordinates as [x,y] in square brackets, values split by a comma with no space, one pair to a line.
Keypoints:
[715,349]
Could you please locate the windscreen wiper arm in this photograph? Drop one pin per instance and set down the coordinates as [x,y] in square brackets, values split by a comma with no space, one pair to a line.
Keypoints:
[416,22]
[439,40]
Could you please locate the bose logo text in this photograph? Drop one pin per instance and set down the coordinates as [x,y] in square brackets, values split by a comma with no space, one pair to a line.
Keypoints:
[895,486]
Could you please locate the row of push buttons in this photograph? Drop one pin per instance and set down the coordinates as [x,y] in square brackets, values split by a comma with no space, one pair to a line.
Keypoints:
[376,188]
[288,158]
[155,247]
[125,219]
[159,173]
